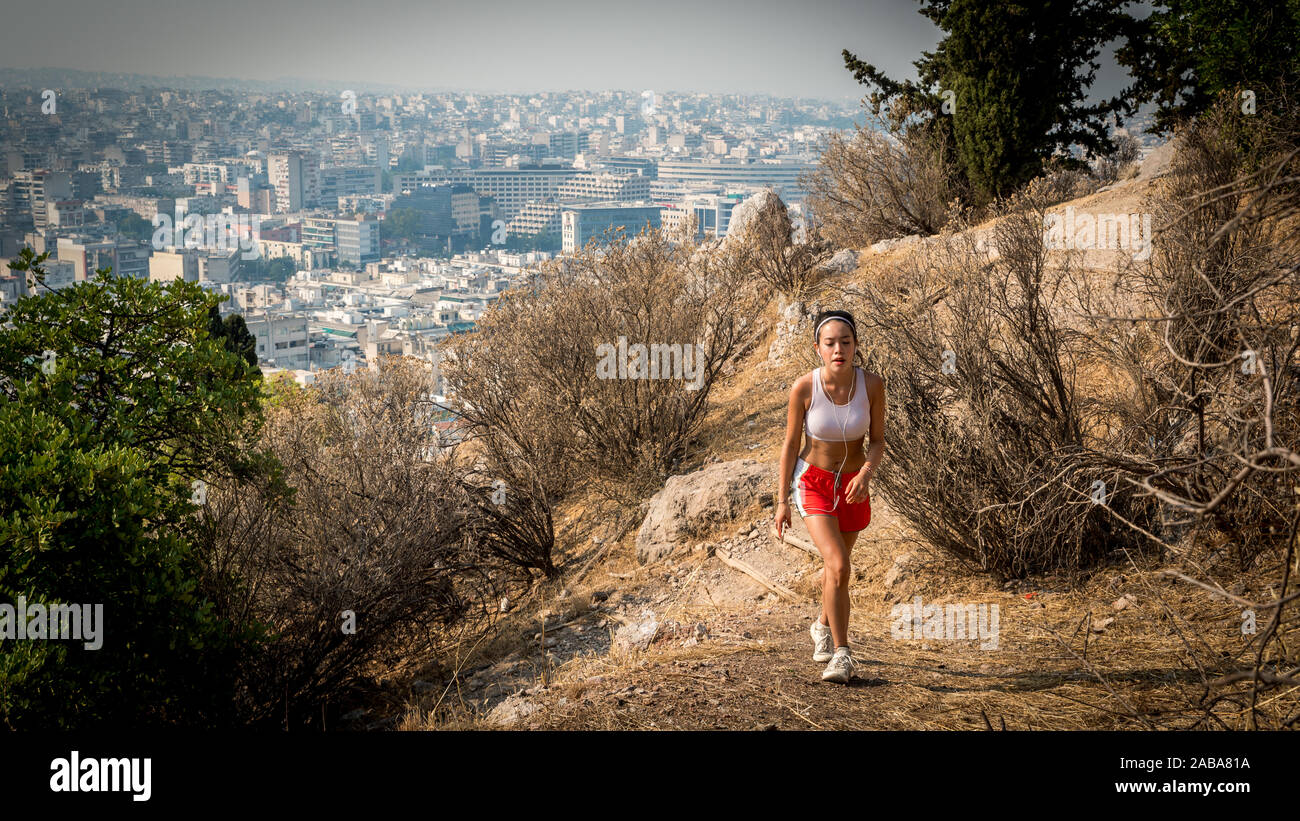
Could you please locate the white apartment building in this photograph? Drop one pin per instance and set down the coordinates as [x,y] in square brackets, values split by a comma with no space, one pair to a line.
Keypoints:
[282,341]
[510,187]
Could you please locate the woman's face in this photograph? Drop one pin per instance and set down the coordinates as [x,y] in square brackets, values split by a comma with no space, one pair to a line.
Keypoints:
[835,344]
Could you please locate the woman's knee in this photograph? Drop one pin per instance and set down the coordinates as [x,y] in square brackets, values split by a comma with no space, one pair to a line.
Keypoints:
[837,569]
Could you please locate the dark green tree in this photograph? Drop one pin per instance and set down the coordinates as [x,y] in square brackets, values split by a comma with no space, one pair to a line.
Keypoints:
[1014,78]
[402,223]
[135,226]
[234,332]
[280,269]
[114,403]
[1187,52]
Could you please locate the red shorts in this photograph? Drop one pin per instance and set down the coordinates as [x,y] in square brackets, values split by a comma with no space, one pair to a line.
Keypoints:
[815,494]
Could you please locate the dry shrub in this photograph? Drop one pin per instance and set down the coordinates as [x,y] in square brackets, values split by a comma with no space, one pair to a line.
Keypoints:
[990,454]
[766,246]
[374,525]
[527,382]
[1217,444]
[1120,163]
[884,180]
[1225,286]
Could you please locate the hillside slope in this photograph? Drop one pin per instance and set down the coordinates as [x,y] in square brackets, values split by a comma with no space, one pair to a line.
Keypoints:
[694,642]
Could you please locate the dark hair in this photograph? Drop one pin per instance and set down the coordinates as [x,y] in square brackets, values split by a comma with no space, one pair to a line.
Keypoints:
[844,315]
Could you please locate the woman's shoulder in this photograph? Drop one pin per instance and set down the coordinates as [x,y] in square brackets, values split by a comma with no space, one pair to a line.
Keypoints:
[803,385]
[874,381]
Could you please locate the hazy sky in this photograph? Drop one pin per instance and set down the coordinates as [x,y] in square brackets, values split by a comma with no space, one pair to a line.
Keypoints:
[783,47]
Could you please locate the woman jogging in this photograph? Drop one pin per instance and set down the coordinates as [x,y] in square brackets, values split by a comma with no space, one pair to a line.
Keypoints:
[839,406]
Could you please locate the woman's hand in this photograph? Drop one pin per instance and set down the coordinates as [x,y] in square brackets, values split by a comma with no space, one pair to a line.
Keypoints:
[782,520]
[856,490]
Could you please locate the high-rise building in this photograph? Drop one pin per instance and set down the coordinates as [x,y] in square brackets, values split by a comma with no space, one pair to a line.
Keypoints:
[32,191]
[173,264]
[357,240]
[286,172]
[341,180]
[602,187]
[318,232]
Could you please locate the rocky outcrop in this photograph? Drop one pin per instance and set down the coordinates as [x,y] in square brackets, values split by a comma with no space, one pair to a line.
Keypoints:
[763,204]
[845,261]
[691,504]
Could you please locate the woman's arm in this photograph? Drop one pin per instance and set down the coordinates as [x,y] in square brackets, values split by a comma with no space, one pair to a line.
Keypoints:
[876,448]
[793,435]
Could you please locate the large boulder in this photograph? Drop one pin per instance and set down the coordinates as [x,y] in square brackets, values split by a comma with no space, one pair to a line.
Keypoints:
[692,504]
[765,202]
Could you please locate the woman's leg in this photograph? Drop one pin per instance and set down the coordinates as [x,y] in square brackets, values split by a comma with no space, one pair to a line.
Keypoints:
[849,539]
[834,547]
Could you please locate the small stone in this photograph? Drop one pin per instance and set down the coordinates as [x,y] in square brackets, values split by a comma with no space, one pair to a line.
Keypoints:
[505,604]
[1103,624]
[1121,603]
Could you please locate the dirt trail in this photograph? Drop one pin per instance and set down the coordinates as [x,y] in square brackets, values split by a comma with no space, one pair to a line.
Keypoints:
[751,668]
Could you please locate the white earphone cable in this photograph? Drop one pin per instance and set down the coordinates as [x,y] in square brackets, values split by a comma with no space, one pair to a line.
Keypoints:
[835,494]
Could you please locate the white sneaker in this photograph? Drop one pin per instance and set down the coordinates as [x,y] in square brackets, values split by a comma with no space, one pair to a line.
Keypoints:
[821,635]
[841,667]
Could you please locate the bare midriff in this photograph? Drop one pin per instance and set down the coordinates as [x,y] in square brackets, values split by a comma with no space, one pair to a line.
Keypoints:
[828,455]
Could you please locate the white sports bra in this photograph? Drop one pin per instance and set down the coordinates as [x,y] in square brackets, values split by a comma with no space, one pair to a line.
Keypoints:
[826,421]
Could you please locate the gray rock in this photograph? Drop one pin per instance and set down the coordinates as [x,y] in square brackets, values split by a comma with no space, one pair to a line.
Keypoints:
[894,242]
[690,504]
[636,635]
[512,710]
[749,211]
[845,261]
